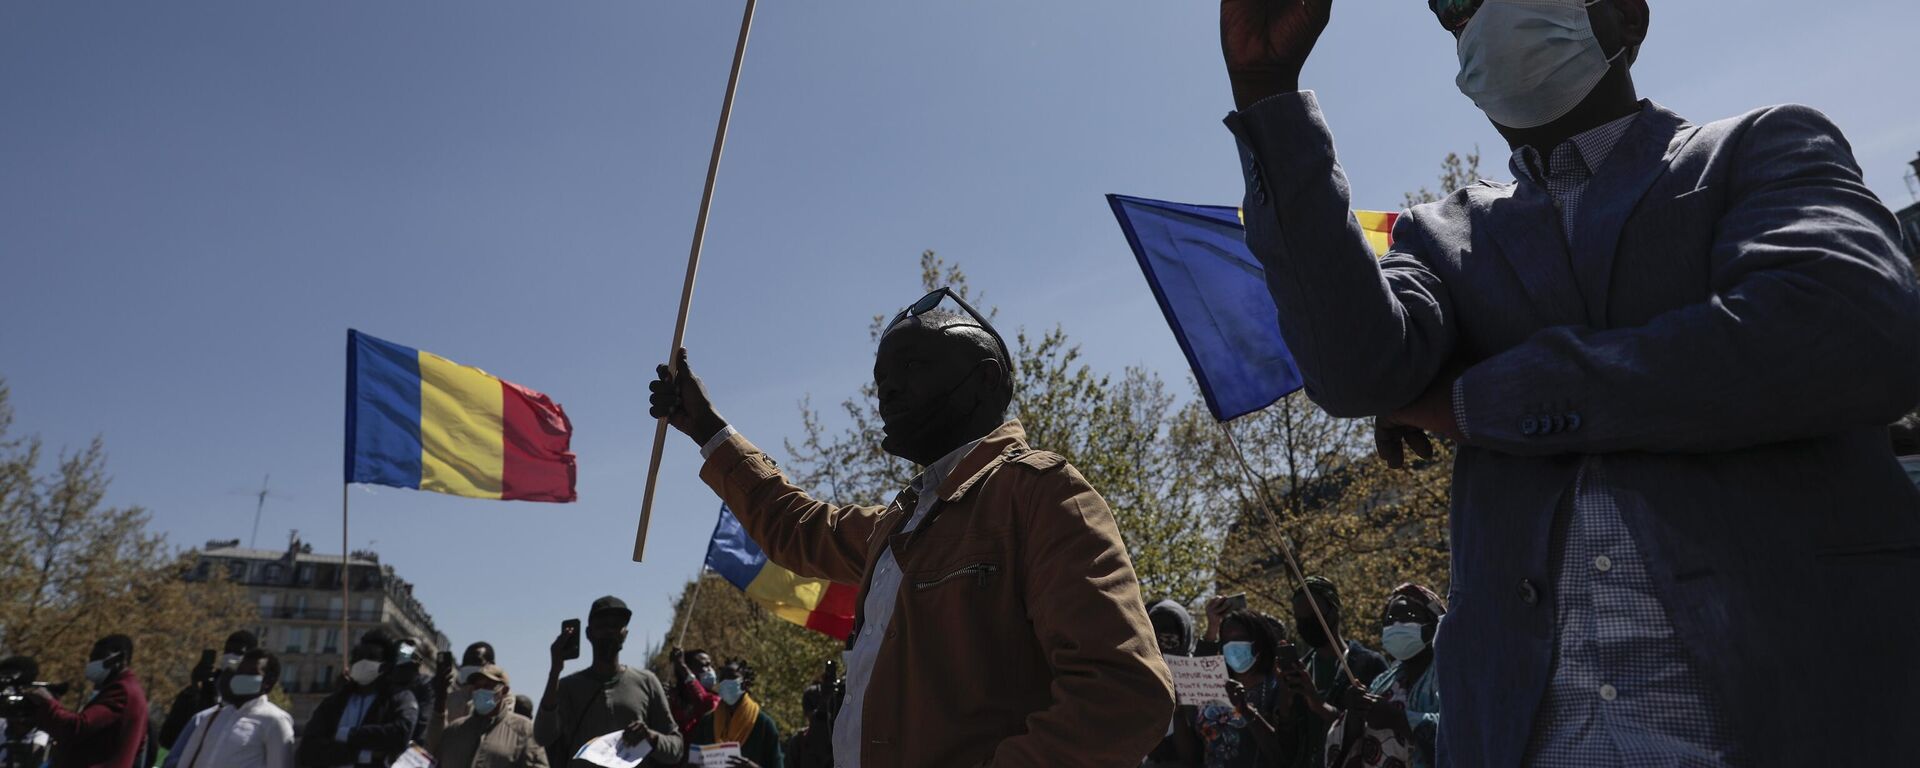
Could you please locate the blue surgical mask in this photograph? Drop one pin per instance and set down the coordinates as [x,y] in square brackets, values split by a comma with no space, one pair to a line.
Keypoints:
[730,692]
[97,671]
[1527,63]
[1403,640]
[245,685]
[484,700]
[709,680]
[1239,655]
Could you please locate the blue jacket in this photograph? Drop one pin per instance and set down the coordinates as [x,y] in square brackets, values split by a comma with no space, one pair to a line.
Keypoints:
[1732,328]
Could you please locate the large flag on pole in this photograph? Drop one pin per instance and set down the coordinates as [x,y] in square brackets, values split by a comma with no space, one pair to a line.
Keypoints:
[418,420]
[1213,293]
[817,604]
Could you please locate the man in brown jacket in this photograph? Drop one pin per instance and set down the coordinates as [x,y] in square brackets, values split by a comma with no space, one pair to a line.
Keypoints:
[1000,622]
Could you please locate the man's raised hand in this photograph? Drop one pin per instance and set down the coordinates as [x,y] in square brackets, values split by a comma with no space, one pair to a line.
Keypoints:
[682,399]
[1266,42]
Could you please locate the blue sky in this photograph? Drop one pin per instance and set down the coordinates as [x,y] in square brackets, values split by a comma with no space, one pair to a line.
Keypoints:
[197,199]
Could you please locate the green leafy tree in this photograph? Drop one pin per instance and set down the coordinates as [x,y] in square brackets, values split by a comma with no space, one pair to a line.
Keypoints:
[73,570]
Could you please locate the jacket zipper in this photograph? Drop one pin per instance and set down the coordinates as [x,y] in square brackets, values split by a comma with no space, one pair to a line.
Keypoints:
[982,569]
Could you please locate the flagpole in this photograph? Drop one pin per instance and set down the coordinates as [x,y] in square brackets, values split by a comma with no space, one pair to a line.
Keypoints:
[346,600]
[1293,565]
[687,616]
[693,267]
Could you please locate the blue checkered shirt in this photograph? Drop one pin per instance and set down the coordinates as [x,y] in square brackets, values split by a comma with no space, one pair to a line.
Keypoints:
[1625,690]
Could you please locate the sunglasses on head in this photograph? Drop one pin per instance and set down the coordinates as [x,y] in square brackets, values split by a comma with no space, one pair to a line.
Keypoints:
[933,299]
[1454,14]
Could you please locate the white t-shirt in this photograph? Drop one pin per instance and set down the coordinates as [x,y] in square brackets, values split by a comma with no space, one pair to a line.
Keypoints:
[256,734]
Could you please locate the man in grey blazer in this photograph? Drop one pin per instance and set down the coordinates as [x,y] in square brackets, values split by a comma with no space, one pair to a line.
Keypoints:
[1669,353]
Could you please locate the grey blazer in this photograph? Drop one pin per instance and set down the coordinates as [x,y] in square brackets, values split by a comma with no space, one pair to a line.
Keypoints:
[1732,328]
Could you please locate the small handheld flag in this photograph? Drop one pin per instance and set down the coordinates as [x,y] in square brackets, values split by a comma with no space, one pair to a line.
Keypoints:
[419,420]
[817,604]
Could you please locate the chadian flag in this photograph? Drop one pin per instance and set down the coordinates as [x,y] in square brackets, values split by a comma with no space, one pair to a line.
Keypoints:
[1214,295]
[418,420]
[817,604]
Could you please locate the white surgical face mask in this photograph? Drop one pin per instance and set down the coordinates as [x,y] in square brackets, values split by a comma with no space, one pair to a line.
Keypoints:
[365,671]
[245,685]
[730,692]
[96,671]
[1403,640]
[1527,63]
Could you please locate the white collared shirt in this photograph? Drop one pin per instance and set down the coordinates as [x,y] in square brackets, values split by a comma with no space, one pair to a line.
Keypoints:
[256,734]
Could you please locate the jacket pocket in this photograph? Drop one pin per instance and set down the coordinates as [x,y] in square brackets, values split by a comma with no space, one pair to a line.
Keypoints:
[978,572]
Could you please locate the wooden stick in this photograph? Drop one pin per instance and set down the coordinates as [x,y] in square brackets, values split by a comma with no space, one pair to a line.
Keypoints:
[693,268]
[346,598]
[1293,566]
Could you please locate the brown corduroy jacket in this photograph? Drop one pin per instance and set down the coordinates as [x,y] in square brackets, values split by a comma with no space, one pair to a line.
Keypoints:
[1018,637]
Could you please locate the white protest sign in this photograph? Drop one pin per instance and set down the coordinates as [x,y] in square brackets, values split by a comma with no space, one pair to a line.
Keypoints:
[714,755]
[415,757]
[609,751]
[1198,679]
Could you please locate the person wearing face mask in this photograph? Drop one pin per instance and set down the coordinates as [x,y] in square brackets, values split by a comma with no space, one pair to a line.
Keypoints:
[203,690]
[1634,347]
[1173,631]
[369,720]
[491,734]
[739,720]
[110,730]
[605,697]
[244,730]
[1398,717]
[695,687]
[450,700]
[997,576]
[1253,728]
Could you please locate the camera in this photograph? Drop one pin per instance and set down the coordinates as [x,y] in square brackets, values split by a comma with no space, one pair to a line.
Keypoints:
[16,678]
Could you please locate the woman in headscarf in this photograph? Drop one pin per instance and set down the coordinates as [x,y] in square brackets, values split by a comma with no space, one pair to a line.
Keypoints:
[1399,715]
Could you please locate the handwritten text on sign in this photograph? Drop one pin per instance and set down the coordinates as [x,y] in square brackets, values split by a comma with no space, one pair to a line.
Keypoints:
[1198,679]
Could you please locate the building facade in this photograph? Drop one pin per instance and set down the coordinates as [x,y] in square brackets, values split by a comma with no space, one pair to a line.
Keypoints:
[298,594]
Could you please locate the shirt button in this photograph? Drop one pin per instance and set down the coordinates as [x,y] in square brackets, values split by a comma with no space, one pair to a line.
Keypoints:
[1607,693]
[1529,594]
[1603,563]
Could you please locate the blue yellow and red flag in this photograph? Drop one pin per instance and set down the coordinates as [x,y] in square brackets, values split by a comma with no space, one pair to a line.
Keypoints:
[817,604]
[1214,295]
[418,420]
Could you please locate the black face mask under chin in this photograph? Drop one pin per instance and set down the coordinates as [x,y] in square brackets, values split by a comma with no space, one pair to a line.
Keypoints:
[931,420]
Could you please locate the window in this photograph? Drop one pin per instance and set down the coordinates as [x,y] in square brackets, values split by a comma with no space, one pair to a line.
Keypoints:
[369,609]
[304,575]
[267,599]
[296,640]
[331,643]
[271,573]
[237,570]
[299,606]
[334,607]
[290,678]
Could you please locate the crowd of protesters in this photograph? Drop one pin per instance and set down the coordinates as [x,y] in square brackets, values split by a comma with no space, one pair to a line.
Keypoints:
[1289,702]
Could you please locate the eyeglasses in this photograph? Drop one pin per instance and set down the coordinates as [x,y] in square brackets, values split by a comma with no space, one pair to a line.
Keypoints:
[1454,14]
[933,299]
